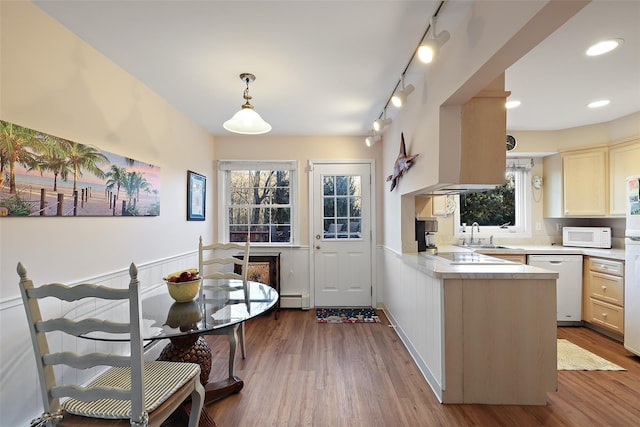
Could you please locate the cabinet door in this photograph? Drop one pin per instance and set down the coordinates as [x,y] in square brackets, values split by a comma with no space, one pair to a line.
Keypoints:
[585,183]
[521,259]
[624,161]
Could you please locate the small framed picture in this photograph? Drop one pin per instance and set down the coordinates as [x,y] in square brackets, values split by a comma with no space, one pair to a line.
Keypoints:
[196,196]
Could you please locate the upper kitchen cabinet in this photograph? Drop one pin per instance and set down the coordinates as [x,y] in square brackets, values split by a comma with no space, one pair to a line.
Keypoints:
[585,183]
[434,206]
[577,184]
[624,161]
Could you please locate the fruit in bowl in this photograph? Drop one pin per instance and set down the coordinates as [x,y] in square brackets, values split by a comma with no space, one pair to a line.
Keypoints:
[183,285]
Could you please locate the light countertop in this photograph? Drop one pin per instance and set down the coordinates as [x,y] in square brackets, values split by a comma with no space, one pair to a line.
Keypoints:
[617,254]
[508,270]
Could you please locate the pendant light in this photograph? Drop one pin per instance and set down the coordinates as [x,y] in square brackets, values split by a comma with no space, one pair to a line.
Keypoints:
[247,121]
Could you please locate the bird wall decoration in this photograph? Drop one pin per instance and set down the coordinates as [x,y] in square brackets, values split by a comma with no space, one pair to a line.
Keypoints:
[403,163]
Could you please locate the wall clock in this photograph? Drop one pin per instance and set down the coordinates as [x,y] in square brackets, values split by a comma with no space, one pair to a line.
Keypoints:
[511,142]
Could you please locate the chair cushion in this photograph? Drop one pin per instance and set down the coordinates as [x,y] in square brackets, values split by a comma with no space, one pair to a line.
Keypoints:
[161,380]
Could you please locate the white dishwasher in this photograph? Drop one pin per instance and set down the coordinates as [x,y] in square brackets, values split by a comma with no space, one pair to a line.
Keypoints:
[569,284]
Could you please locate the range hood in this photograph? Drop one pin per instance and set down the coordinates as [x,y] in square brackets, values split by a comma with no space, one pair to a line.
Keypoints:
[472,146]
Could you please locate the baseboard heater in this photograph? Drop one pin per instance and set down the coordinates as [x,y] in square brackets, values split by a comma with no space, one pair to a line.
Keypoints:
[295,301]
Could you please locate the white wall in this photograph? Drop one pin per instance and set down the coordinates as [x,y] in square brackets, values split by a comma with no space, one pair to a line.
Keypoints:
[53,82]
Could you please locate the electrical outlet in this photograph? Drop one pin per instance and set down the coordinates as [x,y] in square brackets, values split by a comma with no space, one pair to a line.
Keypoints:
[538,226]
[558,227]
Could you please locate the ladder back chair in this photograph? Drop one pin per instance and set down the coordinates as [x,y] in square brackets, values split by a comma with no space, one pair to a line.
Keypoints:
[129,391]
[213,266]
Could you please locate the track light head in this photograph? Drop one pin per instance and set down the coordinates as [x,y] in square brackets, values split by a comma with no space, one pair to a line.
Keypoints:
[380,124]
[372,140]
[400,97]
[429,49]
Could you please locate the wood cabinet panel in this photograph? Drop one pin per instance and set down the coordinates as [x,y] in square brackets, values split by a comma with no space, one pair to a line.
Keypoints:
[604,293]
[607,288]
[607,315]
[585,183]
[624,161]
[519,258]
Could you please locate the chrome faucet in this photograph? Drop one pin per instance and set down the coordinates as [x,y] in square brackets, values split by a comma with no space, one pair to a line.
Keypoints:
[475,224]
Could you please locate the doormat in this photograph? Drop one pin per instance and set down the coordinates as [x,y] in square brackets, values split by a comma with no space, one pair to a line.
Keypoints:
[574,358]
[347,315]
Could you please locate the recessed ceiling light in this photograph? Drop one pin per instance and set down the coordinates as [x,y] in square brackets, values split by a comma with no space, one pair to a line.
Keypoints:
[604,47]
[597,104]
[512,104]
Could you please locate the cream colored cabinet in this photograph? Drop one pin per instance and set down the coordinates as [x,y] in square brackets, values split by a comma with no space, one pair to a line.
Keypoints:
[434,206]
[604,293]
[519,258]
[624,161]
[590,182]
[585,183]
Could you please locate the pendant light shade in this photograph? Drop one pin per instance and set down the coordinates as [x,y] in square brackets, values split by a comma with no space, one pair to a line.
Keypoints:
[247,121]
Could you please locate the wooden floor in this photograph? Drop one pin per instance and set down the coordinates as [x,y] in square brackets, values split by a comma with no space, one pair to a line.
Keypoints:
[301,373]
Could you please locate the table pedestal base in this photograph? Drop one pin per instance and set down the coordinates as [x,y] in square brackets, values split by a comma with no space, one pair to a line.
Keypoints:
[190,349]
[194,349]
[219,389]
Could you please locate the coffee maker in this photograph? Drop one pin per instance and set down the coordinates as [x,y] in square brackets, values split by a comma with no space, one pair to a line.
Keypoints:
[426,229]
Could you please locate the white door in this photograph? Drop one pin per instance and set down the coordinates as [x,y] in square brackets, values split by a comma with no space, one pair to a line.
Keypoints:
[341,237]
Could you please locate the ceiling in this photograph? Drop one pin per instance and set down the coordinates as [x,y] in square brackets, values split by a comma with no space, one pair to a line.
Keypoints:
[329,67]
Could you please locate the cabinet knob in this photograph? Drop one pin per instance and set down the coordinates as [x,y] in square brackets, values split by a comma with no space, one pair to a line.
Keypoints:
[604,315]
[604,288]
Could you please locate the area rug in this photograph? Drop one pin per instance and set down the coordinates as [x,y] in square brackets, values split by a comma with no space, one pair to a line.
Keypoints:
[347,315]
[574,358]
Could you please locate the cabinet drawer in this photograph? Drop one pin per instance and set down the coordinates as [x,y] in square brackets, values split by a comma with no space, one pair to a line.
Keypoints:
[607,266]
[607,315]
[522,259]
[607,288]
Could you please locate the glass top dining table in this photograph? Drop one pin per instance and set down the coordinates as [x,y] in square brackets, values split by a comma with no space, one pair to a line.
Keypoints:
[220,303]
[219,308]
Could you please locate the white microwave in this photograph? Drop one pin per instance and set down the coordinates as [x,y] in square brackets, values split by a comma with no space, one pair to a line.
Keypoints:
[587,237]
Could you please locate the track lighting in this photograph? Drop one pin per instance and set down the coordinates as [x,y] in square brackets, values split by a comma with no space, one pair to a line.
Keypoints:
[372,140]
[400,96]
[429,49]
[380,124]
[426,51]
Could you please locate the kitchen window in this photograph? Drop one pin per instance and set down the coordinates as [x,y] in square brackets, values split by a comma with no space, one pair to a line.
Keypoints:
[259,200]
[502,212]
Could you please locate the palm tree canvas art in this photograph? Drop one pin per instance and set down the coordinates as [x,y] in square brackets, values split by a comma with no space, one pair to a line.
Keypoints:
[44,175]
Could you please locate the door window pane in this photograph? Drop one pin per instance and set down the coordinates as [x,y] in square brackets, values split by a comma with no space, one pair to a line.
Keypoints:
[342,207]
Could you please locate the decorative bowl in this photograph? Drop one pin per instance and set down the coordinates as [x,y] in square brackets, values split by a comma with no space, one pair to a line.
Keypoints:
[183,291]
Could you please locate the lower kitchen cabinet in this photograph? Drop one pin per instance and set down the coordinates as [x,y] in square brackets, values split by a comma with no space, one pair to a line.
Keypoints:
[604,294]
[519,258]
